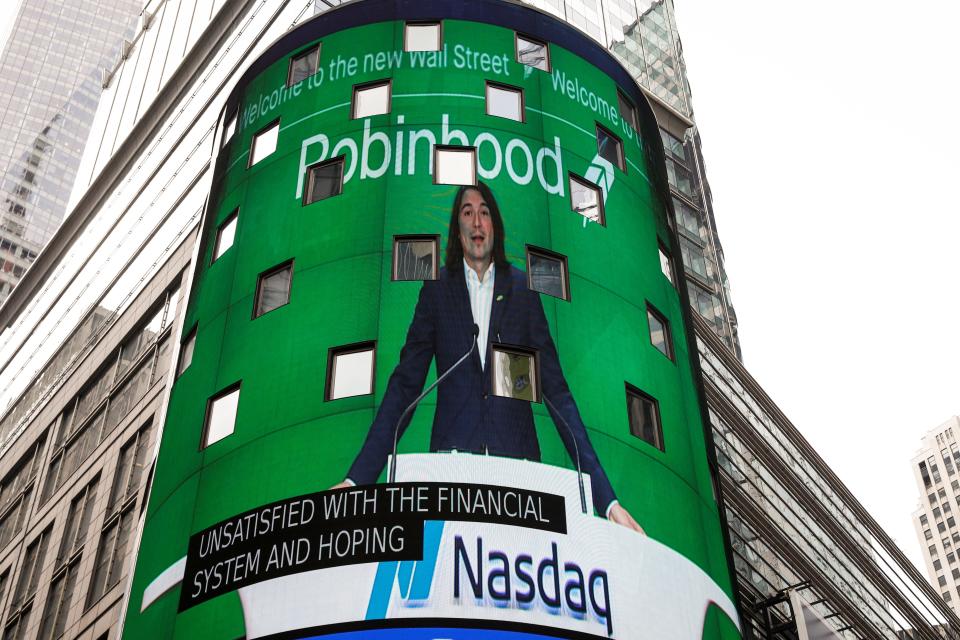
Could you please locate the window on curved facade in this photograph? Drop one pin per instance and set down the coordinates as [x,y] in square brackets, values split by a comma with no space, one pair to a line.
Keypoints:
[350,370]
[371,99]
[515,373]
[186,351]
[324,180]
[659,332]
[628,112]
[504,101]
[226,233]
[273,289]
[415,257]
[229,127]
[303,65]
[586,199]
[533,53]
[264,142]
[422,36]
[547,273]
[666,265]
[643,413]
[221,415]
[454,165]
[610,148]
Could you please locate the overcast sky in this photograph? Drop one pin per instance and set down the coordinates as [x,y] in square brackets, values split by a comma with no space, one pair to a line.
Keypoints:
[831,138]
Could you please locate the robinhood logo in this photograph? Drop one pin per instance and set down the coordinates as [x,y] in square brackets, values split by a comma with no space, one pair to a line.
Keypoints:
[411,151]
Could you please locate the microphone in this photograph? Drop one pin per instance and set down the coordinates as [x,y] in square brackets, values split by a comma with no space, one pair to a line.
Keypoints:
[392,476]
[558,416]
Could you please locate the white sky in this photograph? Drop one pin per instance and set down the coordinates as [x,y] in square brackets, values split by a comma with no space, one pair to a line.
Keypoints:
[831,138]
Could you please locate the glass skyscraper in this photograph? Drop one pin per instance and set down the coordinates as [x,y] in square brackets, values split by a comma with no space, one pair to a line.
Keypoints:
[51,75]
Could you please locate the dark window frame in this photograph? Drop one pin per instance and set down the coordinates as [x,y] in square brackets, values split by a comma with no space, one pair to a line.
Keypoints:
[257,134]
[423,23]
[571,176]
[505,87]
[564,270]
[621,152]
[383,82]
[343,350]
[644,396]
[662,250]
[232,216]
[302,54]
[415,237]
[308,188]
[261,277]
[191,336]
[667,333]
[235,386]
[517,35]
[622,99]
[438,148]
[230,117]
[518,350]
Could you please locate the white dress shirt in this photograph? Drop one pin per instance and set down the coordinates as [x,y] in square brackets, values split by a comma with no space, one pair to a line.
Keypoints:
[481,302]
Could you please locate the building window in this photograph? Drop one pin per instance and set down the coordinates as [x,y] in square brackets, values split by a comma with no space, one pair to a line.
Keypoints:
[415,257]
[941,527]
[131,465]
[371,99]
[936,512]
[221,415]
[186,351]
[610,148]
[586,199]
[273,289]
[643,413]
[350,370]
[505,101]
[659,332]
[19,607]
[516,373]
[951,522]
[932,498]
[666,265]
[226,233]
[67,565]
[628,112]
[936,565]
[923,519]
[956,537]
[264,142]
[547,273]
[942,581]
[324,180]
[454,165]
[927,534]
[932,549]
[16,489]
[303,65]
[946,596]
[229,127]
[951,557]
[422,36]
[533,53]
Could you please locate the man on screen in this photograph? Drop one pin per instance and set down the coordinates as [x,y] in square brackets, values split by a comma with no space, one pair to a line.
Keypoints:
[479,287]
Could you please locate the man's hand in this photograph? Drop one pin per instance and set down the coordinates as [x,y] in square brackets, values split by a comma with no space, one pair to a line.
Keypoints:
[344,485]
[622,517]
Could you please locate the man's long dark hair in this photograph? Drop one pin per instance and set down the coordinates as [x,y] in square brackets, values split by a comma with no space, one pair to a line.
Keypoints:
[454,256]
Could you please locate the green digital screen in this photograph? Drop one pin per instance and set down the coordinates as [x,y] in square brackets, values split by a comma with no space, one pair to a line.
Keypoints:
[343,289]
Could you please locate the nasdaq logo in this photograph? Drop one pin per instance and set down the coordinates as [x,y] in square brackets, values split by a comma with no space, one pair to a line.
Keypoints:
[413,577]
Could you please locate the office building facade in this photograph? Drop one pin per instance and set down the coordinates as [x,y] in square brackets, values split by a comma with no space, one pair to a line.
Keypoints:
[51,73]
[90,340]
[935,469]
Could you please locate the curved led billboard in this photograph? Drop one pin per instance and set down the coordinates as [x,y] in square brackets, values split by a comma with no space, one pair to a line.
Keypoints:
[435,378]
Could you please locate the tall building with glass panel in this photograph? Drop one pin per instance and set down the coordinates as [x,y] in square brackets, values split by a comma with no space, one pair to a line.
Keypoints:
[51,72]
[936,469]
[93,339]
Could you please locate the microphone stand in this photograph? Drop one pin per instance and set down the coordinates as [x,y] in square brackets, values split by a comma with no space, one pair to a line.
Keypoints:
[576,450]
[392,476]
